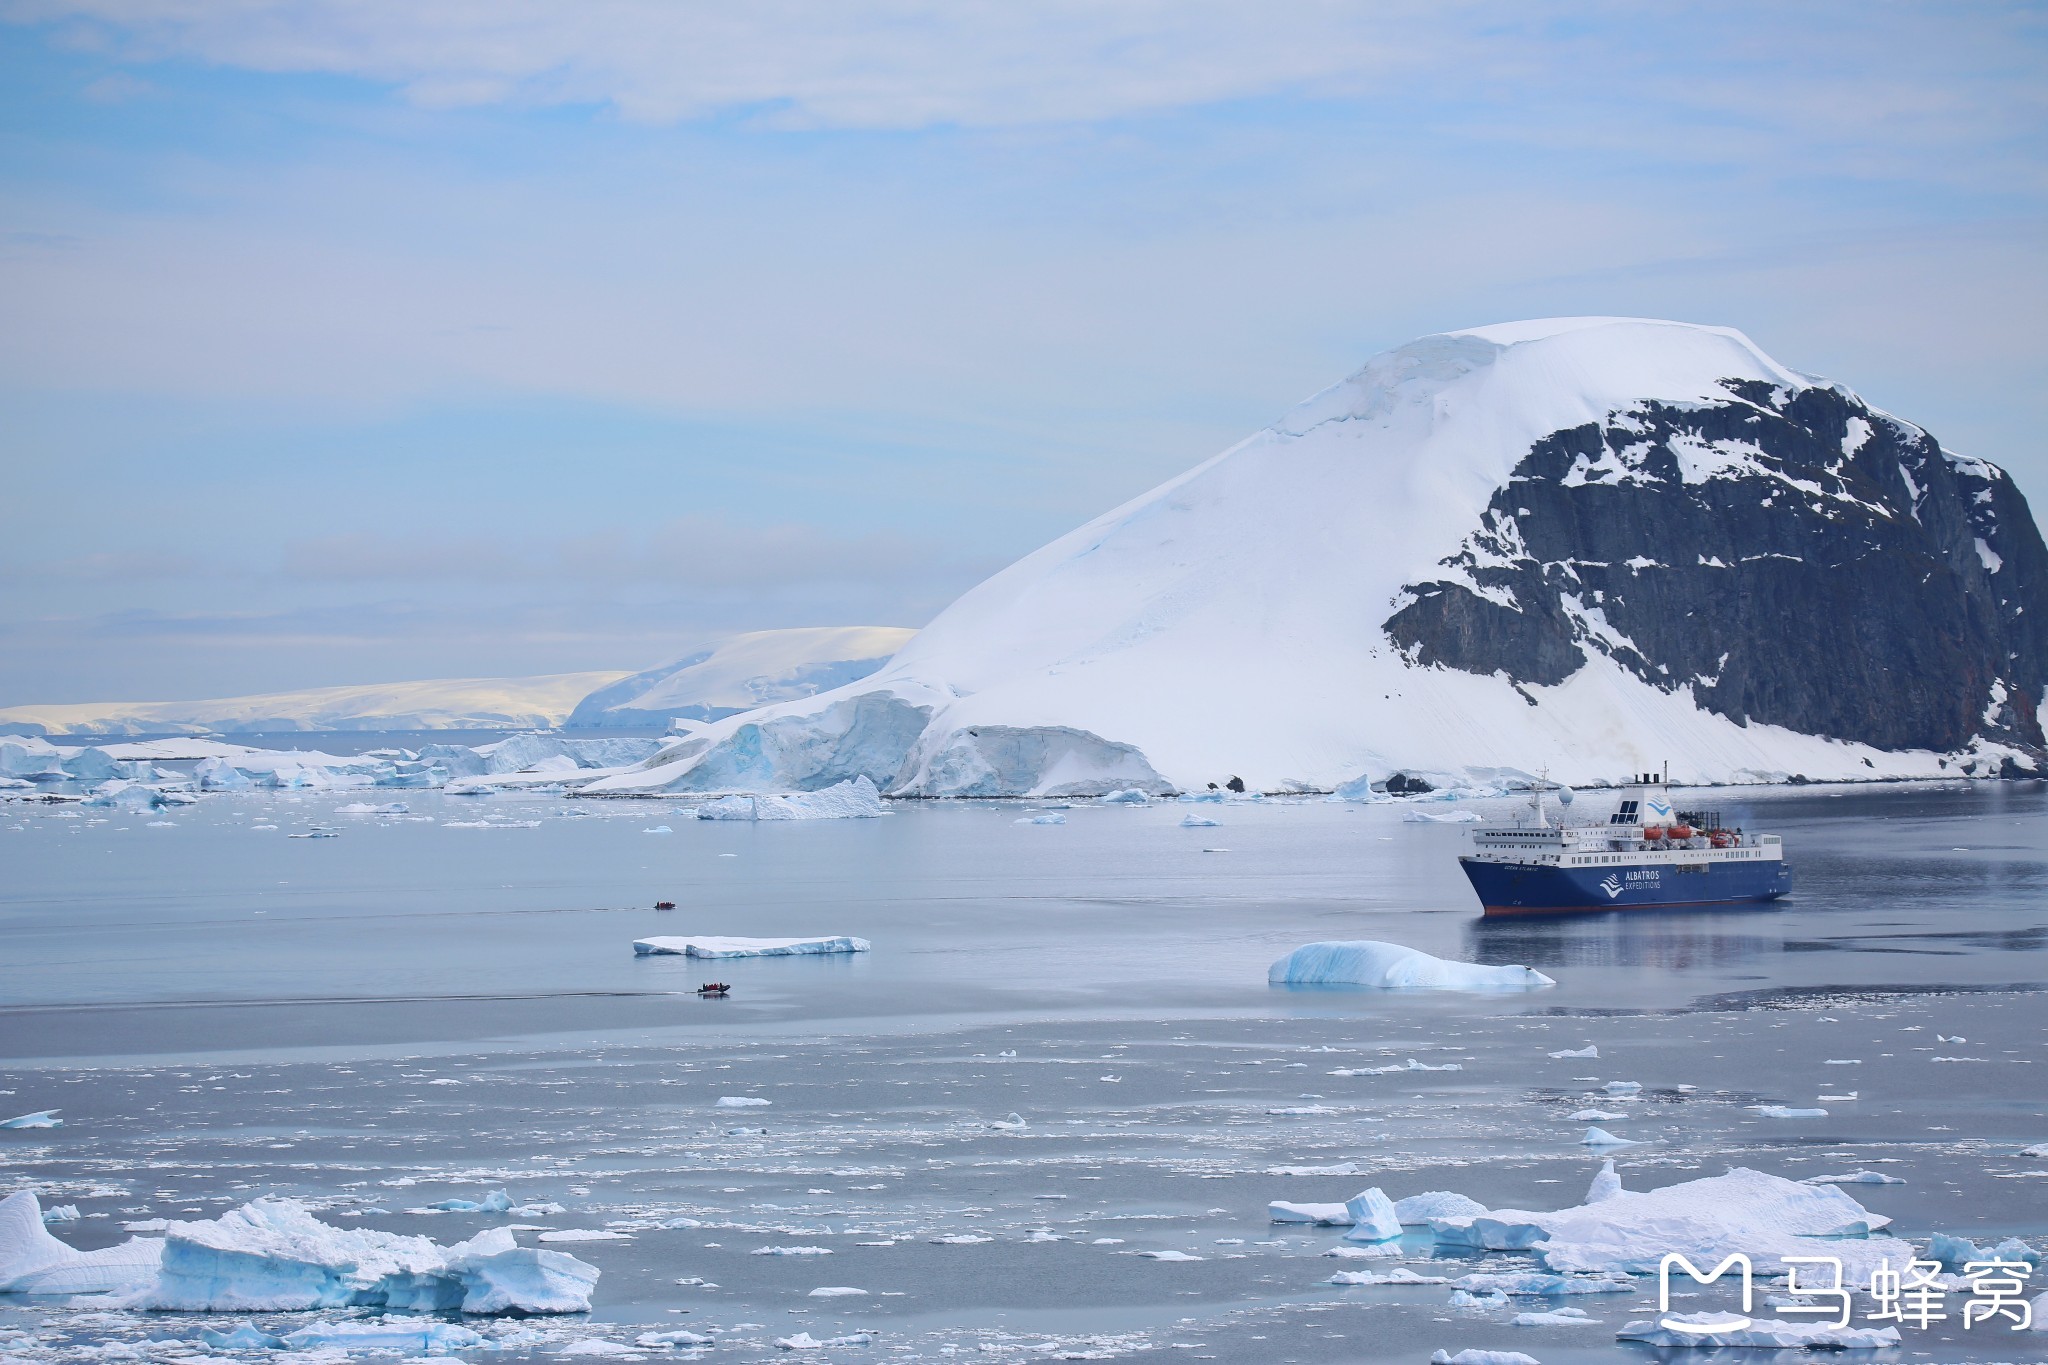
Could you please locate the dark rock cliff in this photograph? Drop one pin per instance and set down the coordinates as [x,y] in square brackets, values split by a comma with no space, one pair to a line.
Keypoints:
[1792,556]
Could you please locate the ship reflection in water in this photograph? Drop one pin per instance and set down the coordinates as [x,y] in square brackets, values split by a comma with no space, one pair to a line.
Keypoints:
[1672,940]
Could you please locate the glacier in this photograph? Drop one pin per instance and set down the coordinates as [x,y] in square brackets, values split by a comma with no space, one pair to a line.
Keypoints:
[1187,637]
[1391,967]
[738,673]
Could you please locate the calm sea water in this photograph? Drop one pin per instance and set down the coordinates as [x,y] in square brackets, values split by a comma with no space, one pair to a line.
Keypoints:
[422,1008]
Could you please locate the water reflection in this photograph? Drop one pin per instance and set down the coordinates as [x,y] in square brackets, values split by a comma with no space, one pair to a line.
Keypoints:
[1674,941]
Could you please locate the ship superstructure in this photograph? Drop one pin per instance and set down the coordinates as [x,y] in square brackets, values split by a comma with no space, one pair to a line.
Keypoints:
[1646,854]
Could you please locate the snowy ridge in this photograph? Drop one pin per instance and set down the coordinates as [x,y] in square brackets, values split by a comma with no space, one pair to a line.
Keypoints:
[436,704]
[1352,592]
[741,672]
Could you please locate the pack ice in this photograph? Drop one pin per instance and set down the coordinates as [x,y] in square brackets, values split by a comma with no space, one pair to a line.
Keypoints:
[746,947]
[272,1255]
[1391,967]
[1765,1216]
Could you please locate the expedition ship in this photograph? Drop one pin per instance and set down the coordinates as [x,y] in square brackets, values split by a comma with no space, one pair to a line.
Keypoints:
[1644,856]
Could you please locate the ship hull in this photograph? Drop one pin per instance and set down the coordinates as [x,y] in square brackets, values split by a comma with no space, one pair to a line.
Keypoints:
[1510,888]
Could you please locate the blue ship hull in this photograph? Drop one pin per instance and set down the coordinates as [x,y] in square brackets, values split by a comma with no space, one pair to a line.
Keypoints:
[1537,889]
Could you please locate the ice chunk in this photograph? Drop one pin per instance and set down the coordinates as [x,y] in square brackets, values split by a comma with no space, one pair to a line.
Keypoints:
[1398,1275]
[1600,1137]
[42,1118]
[34,1262]
[1128,796]
[837,1291]
[219,775]
[673,1339]
[247,1337]
[1554,1317]
[1595,1116]
[1538,1284]
[856,799]
[1764,1216]
[1419,1209]
[414,1336]
[1372,1217]
[1623,1087]
[366,808]
[498,1201]
[1588,1051]
[1855,1178]
[1606,1184]
[1473,1356]
[797,1251]
[1779,1111]
[1449,817]
[1192,821]
[804,1341]
[61,1213]
[1053,819]
[1389,966]
[742,1102]
[696,946]
[1329,1215]
[585,1235]
[272,1255]
[1370,1251]
[1761,1332]
[1170,1256]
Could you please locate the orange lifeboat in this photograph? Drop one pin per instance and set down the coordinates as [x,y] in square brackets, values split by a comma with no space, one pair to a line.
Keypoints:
[1721,838]
[1653,831]
[1681,831]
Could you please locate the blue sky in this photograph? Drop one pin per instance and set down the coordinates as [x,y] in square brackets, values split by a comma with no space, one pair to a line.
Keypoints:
[368,340]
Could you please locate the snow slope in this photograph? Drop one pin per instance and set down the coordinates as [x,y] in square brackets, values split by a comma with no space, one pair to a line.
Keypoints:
[1234,621]
[437,704]
[741,672]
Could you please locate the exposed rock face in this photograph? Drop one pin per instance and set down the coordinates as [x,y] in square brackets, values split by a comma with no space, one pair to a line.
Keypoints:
[1795,557]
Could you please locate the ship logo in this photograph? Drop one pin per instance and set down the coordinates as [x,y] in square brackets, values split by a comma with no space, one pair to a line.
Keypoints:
[1611,884]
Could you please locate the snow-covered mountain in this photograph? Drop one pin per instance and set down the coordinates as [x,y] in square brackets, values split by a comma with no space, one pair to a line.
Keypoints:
[741,672]
[436,704]
[1589,545]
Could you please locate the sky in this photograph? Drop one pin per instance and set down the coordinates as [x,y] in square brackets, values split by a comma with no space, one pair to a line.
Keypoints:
[349,341]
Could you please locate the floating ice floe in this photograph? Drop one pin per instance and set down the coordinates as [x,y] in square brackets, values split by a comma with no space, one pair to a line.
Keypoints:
[792,1251]
[1449,817]
[804,1341]
[1053,819]
[272,1255]
[1623,1087]
[1766,1217]
[1129,796]
[1588,1051]
[1537,1284]
[1417,1210]
[419,1337]
[1600,1137]
[1389,966]
[1779,1111]
[837,1291]
[852,800]
[1594,1116]
[1398,1275]
[1197,822]
[1473,1356]
[42,1118]
[673,1339]
[1955,1253]
[62,1213]
[747,947]
[585,1235]
[366,808]
[742,1102]
[498,1201]
[34,1262]
[1169,1256]
[1762,1332]
[1553,1317]
[1855,1178]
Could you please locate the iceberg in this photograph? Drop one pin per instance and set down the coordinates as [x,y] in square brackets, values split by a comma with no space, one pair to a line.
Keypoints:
[1587,1051]
[272,1255]
[498,1201]
[1389,966]
[42,1118]
[1764,1216]
[1473,1356]
[1606,1183]
[1418,1210]
[853,800]
[1855,1178]
[1766,1333]
[1600,1137]
[1192,821]
[34,1262]
[1398,1275]
[1372,1217]
[1779,1111]
[746,947]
